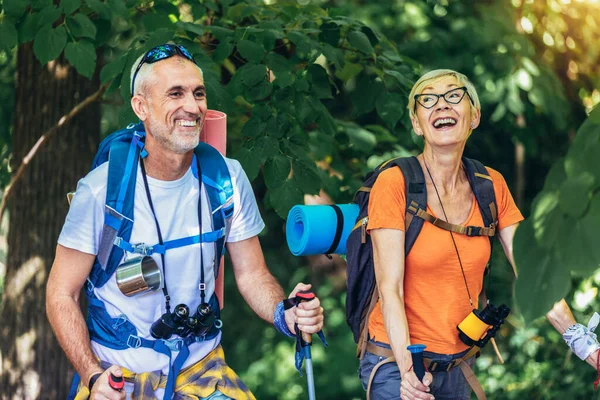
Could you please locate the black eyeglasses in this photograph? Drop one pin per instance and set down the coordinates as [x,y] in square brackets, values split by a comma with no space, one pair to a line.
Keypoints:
[454,96]
[161,52]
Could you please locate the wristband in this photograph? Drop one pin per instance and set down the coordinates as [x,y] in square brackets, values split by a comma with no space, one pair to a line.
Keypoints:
[93,380]
[581,339]
[279,320]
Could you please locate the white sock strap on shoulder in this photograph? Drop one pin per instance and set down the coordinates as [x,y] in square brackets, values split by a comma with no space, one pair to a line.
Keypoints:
[582,340]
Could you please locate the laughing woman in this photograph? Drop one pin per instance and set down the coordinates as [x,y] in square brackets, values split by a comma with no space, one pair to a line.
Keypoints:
[424,295]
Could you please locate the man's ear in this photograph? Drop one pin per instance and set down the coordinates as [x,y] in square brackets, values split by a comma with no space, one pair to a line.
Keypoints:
[139,105]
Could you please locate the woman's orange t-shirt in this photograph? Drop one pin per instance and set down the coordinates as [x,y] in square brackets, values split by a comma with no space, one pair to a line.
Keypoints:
[435,297]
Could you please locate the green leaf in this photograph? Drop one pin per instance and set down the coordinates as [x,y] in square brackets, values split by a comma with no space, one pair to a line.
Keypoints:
[390,107]
[40,4]
[306,176]
[102,9]
[330,34]
[154,21]
[276,171]
[284,79]
[402,80]
[158,37]
[250,161]
[499,113]
[555,176]
[81,26]
[112,69]
[221,33]
[284,197]
[260,91]
[548,219]
[223,50]
[119,8]
[320,86]
[361,139]
[48,15]
[28,28]
[267,146]
[82,55]
[254,127]
[103,31]
[278,63]
[574,246]
[360,41]
[193,28]
[253,74]
[15,8]
[69,6]
[366,94]
[334,55]
[251,51]
[9,37]
[49,43]
[218,97]
[574,195]
[542,279]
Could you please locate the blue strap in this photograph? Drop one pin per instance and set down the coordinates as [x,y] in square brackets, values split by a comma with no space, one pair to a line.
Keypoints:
[166,348]
[131,158]
[112,221]
[74,386]
[208,237]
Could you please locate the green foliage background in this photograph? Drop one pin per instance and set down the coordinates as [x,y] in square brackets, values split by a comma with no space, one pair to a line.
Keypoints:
[315,93]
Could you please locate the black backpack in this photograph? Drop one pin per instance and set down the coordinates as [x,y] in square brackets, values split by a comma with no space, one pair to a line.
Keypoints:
[362,294]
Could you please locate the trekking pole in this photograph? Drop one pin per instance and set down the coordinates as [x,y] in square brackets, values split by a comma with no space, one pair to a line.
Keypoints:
[306,342]
[416,352]
[116,382]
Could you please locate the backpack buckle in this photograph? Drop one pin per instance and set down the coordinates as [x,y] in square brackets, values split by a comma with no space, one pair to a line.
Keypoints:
[174,344]
[143,249]
[473,231]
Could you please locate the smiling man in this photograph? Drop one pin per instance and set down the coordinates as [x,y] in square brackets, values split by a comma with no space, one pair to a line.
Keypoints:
[160,350]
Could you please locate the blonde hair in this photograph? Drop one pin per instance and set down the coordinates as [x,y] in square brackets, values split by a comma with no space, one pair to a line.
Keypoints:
[435,75]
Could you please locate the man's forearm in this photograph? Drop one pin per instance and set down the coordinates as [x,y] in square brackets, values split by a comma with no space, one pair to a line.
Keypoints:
[71,331]
[262,292]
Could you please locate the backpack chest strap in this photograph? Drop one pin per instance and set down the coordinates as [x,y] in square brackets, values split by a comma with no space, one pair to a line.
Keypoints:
[142,248]
[490,231]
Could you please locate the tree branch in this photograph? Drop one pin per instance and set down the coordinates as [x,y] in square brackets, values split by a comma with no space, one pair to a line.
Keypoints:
[45,138]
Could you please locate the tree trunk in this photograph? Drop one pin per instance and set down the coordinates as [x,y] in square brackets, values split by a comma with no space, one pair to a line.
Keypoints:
[32,365]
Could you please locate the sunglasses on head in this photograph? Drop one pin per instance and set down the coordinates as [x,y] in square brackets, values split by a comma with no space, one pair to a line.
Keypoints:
[161,52]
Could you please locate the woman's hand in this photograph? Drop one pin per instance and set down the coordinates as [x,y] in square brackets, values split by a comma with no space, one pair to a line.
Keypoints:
[413,389]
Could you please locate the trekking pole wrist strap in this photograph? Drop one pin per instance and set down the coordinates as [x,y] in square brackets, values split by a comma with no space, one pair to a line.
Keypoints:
[581,339]
[279,320]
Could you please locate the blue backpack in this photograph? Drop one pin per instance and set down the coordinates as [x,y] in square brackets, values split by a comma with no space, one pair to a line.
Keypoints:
[362,287]
[122,149]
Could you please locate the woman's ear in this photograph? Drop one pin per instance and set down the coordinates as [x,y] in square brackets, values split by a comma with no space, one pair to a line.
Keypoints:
[416,126]
[475,118]
[139,105]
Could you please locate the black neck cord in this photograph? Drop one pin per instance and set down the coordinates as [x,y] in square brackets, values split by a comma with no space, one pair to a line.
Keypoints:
[451,235]
[160,239]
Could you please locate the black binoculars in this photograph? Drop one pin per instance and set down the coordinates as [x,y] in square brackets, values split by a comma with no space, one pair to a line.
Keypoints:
[480,326]
[181,323]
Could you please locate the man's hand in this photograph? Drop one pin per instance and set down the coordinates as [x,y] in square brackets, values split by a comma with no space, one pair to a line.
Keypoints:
[102,390]
[308,314]
[412,389]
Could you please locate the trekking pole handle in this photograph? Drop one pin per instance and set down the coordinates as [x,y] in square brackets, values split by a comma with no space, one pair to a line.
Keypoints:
[301,296]
[116,382]
[416,352]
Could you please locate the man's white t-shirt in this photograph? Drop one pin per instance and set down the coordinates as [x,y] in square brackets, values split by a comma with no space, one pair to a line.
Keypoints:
[176,207]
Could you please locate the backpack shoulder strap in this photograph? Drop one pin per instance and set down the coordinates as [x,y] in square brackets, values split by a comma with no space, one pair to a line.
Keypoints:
[416,198]
[483,188]
[118,216]
[217,181]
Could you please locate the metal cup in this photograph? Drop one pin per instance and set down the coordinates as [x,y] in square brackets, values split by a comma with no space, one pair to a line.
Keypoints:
[139,275]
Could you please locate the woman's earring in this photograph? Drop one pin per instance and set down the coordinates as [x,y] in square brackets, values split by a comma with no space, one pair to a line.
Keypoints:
[472,126]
